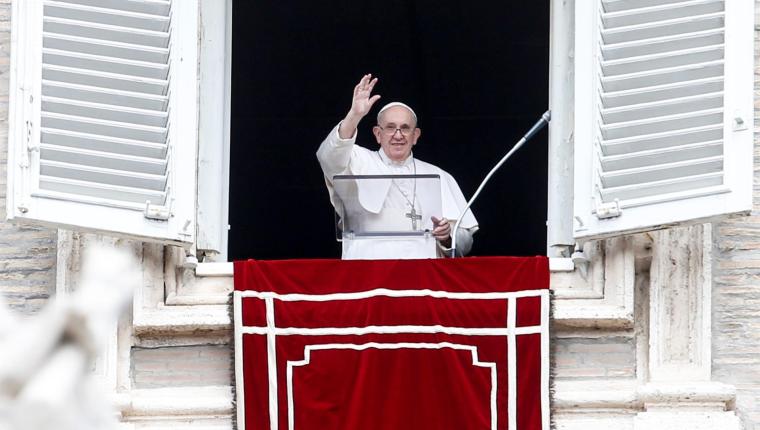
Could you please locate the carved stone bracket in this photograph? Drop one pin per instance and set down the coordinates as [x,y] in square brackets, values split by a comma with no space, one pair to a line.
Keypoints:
[601,297]
[678,392]
[192,285]
[176,307]
[71,246]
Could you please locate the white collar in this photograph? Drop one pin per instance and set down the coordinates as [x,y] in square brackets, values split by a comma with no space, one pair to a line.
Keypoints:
[388,162]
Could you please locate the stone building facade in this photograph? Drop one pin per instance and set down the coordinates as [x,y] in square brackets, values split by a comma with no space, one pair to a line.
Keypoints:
[658,330]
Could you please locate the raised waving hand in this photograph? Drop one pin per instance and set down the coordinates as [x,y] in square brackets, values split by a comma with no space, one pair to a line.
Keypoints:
[361,103]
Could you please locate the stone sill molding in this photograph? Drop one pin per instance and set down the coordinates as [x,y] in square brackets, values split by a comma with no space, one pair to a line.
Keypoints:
[178,298]
[629,394]
[599,295]
[193,407]
[225,269]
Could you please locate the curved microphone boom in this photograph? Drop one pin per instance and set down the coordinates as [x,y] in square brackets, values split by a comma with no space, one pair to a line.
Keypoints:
[541,123]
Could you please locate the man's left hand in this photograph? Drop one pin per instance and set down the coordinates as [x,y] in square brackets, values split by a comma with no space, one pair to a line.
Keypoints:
[442,231]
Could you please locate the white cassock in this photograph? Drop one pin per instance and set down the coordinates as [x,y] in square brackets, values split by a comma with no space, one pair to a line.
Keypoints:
[386,201]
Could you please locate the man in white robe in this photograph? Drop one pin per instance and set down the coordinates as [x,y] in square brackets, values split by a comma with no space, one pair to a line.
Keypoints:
[396,132]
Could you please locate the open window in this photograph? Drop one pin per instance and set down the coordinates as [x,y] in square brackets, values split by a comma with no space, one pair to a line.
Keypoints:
[453,63]
[102,138]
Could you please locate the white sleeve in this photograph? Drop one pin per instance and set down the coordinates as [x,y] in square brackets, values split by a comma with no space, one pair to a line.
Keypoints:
[464,242]
[334,154]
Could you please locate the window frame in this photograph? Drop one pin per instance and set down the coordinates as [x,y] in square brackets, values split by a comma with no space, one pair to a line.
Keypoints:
[214,117]
[211,127]
[596,293]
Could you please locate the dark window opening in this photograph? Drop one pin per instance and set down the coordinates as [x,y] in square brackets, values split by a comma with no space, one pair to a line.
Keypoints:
[475,72]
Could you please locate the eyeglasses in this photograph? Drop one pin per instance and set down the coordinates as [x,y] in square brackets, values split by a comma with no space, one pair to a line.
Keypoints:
[390,130]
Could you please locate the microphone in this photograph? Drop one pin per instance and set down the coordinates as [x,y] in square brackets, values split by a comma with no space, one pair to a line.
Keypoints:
[541,123]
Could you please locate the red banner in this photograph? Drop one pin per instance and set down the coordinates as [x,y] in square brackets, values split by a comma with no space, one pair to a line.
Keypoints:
[394,344]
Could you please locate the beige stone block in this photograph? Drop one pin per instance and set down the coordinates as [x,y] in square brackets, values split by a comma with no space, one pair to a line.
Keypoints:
[621,373]
[601,348]
[567,360]
[150,366]
[581,372]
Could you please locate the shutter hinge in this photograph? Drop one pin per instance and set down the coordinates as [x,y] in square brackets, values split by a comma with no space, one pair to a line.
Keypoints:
[739,124]
[185,228]
[160,213]
[30,146]
[609,210]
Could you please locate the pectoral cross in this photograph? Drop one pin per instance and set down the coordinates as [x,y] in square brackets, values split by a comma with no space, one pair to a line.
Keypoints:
[414,216]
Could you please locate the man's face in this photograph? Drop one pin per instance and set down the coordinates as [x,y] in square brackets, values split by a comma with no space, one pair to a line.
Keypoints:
[397,133]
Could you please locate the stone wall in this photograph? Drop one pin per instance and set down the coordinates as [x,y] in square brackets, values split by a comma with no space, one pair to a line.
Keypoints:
[736,290]
[594,354]
[182,366]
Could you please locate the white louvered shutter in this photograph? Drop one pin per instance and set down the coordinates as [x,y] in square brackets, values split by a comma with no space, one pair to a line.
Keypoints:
[663,112]
[103,122]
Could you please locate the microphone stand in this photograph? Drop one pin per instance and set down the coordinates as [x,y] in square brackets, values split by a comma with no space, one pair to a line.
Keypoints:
[541,123]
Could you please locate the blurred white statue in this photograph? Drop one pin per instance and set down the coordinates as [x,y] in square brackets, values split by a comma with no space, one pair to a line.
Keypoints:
[46,359]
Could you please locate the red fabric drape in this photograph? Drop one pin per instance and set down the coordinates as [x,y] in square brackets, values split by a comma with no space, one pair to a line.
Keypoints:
[393,344]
